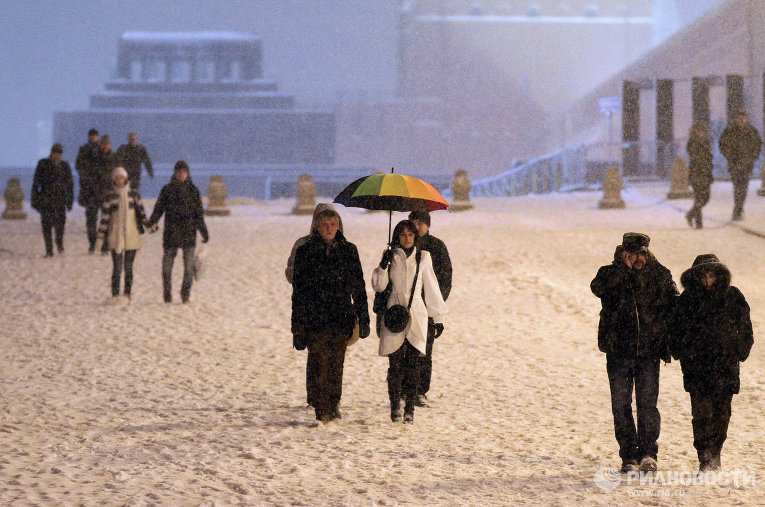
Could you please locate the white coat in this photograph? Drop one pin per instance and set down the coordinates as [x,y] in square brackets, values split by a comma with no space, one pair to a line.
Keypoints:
[402,269]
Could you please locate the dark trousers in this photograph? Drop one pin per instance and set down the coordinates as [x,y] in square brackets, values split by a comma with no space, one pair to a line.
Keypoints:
[91,224]
[426,361]
[740,181]
[404,374]
[310,378]
[50,220]
[642,373]
[119,260]
[700,199]
[168,259]
[711,415]
[326,354]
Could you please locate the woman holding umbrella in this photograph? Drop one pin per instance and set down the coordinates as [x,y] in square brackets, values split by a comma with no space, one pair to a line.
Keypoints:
[407,273]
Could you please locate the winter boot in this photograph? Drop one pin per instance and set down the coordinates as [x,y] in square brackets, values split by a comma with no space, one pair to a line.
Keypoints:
[395,411]
[648,464]
[705,460]
[629,465]
[409,409]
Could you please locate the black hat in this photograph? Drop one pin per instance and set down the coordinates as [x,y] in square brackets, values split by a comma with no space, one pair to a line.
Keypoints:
[420,216]
[57,148]
[92,132]
[635,242]
[707,260]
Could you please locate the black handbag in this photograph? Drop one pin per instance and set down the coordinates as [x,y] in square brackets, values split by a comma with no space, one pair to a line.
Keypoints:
[397,317]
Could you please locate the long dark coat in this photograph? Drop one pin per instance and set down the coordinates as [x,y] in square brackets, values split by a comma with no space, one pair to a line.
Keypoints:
[740,146]
[181,204]
[87,166]
[328,290]
[52,186]
[700,166]
[712,333]
[442,264]
[636,308]
[131,158]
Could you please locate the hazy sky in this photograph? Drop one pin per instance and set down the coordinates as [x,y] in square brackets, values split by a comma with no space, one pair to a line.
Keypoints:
[54,54]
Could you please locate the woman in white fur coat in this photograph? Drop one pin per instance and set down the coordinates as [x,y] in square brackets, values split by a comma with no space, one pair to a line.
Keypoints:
[123,220]
[399,266]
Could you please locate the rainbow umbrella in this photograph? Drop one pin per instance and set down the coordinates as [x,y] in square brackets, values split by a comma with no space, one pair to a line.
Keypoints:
[392,192]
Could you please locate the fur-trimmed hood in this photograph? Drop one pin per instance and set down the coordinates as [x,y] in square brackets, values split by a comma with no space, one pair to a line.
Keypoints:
[691,278]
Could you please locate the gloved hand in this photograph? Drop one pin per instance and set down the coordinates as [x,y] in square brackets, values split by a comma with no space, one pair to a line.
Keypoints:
[299,341]
[387,257]
[152,228]
[205,239]
[363,329]
[438,328]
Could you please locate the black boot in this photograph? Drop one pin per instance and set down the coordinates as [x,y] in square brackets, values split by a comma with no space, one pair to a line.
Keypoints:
[705,460]
[409,409]
[395,410]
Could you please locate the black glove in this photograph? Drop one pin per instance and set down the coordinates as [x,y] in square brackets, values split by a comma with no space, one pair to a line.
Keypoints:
[438,328]
[363,329]
[387,257]
[299,341]
[205,239]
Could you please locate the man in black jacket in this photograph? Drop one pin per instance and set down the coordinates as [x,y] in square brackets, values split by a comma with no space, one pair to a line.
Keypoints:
[740,143]
[328,296]
[637,294]
[181,204]
[105,161]
[52,195]
[131,156]
[90,185]
[442,266]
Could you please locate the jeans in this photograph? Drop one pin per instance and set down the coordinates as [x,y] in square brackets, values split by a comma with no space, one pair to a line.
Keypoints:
[711,415]
[642,373]
[326,354]
[168,258]
[404,374]
[118,259]
[50,220]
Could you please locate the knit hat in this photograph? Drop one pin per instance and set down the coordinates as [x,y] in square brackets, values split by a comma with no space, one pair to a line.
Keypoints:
[707,260]
[421,216]
[119,171]
[706,263]
[635,242]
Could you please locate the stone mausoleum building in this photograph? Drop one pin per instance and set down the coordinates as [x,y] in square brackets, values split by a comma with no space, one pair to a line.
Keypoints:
[202,97]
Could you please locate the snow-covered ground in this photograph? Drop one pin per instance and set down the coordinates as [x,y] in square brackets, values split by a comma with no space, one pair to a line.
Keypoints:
[205,403]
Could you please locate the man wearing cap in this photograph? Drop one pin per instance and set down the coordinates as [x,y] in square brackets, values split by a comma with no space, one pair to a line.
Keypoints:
[90,184]
[442,266]
[131,156]
[52,194]
[740,143]
[637,294]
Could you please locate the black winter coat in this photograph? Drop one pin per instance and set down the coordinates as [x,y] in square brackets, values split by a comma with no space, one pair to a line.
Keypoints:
[131,158]
[712,333]
[52,186]
[90,179]
[740,146]
[442,264]
[700,166]
[636,308]
[181,204]
[328,290]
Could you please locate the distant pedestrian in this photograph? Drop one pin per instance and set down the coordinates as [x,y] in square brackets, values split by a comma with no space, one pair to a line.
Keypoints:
[181,204]
[328,298]
[700,171]
[123,220]
[310,369]
[52,195]
[711,336]
[91,185]
[132,155]
[740,143]
[442,266]
[637,295]
[411,277]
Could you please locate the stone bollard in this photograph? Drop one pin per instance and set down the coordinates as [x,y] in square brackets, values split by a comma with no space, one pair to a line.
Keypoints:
[761,190]
[216,197]
[14,196]
[612,190]
[461,191]
[678,181]
[306,196]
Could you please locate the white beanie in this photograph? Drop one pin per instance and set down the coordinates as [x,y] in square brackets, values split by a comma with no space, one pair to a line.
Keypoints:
[119,170]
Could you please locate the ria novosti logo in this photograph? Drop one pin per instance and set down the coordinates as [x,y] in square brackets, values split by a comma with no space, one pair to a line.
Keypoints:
[609,479]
